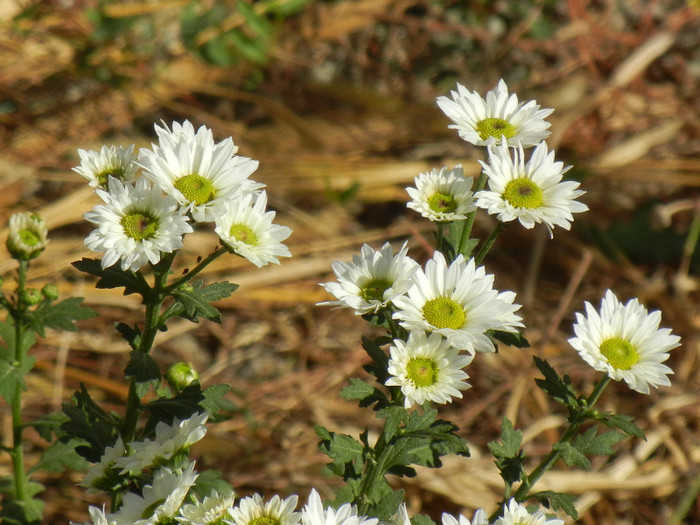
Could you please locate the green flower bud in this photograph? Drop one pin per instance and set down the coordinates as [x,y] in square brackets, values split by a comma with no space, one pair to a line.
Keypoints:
[31,296]
[181,375]
[50,291]
[27,237]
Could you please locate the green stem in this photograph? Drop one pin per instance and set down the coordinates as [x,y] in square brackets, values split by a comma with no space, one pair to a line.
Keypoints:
[469,222]
[488,243]
[374,471]
[21,492]
[439,235]
[202,264]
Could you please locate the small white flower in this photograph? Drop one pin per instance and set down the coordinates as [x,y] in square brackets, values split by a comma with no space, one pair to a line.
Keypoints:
[315,514]
[28,236]
[401,517]
[255,511]
[483,122]
[136,223]
[517,514]
[111,161]
[199,173]
[212,510]
[459,303]
[159,501]
[531,191]
[480,518]
[443,195]
[247,229]
[372,280]
[98,517]
[427,368]
[104,473]
[625,342]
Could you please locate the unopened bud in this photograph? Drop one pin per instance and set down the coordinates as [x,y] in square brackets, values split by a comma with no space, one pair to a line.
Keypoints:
[27,237]
[31,296]
[181,375]
[50,291]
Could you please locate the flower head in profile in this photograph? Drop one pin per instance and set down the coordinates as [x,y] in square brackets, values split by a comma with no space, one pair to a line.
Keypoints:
[442,196]
[483,122]
[111,161]
[480,518]
[530,191]
[246,228]
[28,236]
[135,224]
[314,513]
[200,174]
[372,280]
[427,368]
[517,514]
[104,475]
[255,511]
[98,517]
[160,501]
[625,342]
[458,302]
[212,510]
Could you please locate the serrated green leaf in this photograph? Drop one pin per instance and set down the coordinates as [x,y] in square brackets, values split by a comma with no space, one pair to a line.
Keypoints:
[558,388]
[114,277]
[61,455]
[143,369]
[387,506]
[28,512]
[214,401]
[508,338]
[196,300]
[180,406]
[344,448]
[558,500]
[357,389]
[571,455]
[599,445]
[12,377]
[209,480]
[422,519]
[49,425]
[511,439]
[624,423]
[394,417]
[61,315]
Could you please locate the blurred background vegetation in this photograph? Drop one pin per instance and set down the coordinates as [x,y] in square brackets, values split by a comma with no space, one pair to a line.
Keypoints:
[337,100]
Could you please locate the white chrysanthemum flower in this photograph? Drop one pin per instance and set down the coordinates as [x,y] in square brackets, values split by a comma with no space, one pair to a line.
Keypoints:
[98,517]
[199,173]
[427,368]
[169,440]
[246,228]
[210,511]
[160,501]
[401,517]
[28,236]
[254,510]
[530,191]
[104,475]
[480,518]
[372,280]
[483,122]
[459,303]
[111,161]
[315,514]
[625,342]
[136,223]
[442,196]
[517,514]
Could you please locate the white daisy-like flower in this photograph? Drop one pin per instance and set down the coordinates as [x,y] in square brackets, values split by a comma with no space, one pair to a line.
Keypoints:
[103,475]
[531,191]
[625,342]
[442,196]
[168,441]
[160,501]
[314,513]
[458,302]
[246,228]
[483,122]
[136,223]
[517,514]
[480,518]
[372,280]
[199,173]
[427,368]
[28,236]
[254,510]
[210,511]
[111,161]
[98,517]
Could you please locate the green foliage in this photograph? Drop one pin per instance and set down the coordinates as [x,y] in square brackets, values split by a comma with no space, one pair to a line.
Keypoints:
[557,500]
[144,371]
[15,511]
[558,388]
[624,423]
[507,454]
[195,300]
[60,316]
[509,338]
[114,277]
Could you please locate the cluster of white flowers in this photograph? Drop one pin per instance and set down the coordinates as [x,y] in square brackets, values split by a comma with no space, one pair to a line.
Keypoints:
[151,201]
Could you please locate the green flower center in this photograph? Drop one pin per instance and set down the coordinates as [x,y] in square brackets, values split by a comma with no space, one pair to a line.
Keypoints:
[264,520]
[374,289]
[117,172]
[243,233]
[621,354]
[139,226]
[442,203]
[196,189]
[28,237]
[495,127]
[422,371]
[444,312]
[523,193]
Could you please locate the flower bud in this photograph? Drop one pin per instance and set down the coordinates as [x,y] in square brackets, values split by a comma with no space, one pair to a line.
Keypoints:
[181,375]
[50,291]
[27,237]
[31,296]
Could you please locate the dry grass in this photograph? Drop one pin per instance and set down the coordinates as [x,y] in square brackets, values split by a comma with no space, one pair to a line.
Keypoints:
[347,99]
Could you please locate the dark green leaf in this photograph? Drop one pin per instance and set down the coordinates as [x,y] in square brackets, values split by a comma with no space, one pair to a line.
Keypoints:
[558,388]
[132,335]
[61,455]
[558,500]
[385,508]
[214,401]
[511,439]
[209,480]
[143,369]
[114,277]
[197,300]
[508,338]
[624,423]
[394,416]
[571,455]
[17,512]
[12,377]
[364,392]
[422,519]
[61,315]
[600,445]
[48,425]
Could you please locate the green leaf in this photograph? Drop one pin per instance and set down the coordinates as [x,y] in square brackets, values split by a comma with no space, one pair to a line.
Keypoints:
[209,480]
[132,335]
[558,500]
[571,455]
[214,401]
[197,300]
[12,377]
[61,315]
[422,519]
[180,406]
[59,456]
[48,425]
[386,507]
[22,512]
[143,369]
[558,388]
[114,277]
[507,453]
[508,338]
[394,417]
[624,423]
[600,445]
[364,392]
